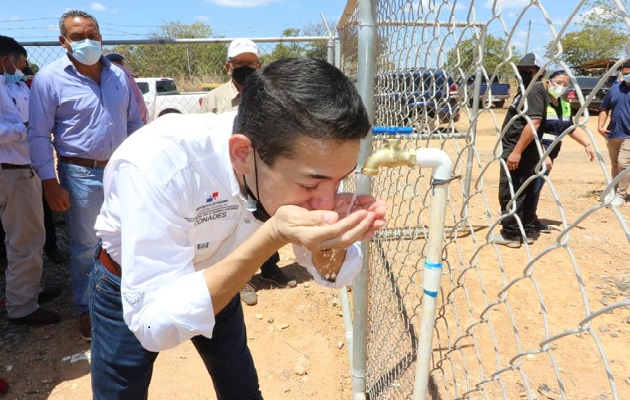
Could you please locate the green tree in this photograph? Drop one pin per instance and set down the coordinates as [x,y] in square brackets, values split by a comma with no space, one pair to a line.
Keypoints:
[466,53]
[286,50]
[605,14]
[177,60]
[588,44]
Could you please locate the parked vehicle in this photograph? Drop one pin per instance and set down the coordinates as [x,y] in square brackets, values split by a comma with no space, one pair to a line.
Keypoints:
[586,85]
[206,87]
[162,97]
[497,96]
[410,97]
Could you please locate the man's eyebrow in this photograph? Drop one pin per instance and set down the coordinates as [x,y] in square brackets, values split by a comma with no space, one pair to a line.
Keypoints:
[326,177]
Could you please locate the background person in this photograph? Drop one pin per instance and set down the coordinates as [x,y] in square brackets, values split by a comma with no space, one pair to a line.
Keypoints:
[119,60]
[16,71]
[89,108]
[243,59]
[558,119]
[21,209]
[178,225]
[520,154]
[616,104]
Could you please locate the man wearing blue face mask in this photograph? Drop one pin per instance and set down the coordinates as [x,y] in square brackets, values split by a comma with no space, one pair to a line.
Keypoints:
[243,59]
[21,210]
[617,133]
[89,108]
[14,67]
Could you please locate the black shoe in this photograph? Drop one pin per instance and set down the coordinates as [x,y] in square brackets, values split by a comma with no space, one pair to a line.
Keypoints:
[48,294]
[542,228]
[55,255]
[38,317]
[279,278]
[531,236]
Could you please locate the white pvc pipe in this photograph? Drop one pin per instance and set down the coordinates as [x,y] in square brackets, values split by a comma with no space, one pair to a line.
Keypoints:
[437,159]
[432,273]
[347,322]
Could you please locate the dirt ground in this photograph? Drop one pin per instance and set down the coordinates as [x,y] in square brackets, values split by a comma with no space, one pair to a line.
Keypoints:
[296,335]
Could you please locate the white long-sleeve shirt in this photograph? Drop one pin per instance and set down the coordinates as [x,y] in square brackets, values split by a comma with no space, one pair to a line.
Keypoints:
[172,208]
[13,143]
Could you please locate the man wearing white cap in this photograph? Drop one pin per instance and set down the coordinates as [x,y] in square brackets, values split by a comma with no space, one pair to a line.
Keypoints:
[243,59]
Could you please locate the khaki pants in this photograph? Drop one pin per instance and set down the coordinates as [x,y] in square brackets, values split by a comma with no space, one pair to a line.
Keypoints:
[619,152]
[22,216]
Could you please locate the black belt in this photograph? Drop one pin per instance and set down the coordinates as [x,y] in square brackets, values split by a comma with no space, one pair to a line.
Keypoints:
[15,166]
[84,162]
[109,264]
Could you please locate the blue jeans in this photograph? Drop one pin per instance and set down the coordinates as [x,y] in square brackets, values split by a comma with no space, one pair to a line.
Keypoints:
[85,186]
[121,368]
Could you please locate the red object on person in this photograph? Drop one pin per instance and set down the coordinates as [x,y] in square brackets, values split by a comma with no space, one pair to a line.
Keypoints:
[3,386]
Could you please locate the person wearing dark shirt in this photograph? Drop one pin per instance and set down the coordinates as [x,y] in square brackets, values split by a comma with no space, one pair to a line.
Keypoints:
[520,155]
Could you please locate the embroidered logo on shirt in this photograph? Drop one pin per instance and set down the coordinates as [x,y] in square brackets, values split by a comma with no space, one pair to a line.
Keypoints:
[213,197]
[214,208]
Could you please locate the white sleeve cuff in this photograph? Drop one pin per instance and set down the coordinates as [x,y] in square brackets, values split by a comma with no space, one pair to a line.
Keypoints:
[172,314]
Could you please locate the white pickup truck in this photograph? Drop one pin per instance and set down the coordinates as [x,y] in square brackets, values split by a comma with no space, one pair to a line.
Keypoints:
[162,97]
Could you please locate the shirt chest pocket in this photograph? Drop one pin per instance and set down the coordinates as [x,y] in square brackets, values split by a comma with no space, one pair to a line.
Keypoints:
[209,233]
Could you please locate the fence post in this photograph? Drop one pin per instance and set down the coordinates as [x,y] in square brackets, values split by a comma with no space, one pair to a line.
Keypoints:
[366,64]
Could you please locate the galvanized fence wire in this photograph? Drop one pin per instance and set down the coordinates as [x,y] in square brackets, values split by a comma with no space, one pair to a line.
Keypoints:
[196,65]
[547,320]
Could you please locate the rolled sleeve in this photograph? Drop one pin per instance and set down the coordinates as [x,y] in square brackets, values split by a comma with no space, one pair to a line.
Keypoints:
[171,315]
[12,132]
[42,104]
[348,271]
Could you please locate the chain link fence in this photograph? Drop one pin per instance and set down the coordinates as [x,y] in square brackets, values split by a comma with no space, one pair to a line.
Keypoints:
[195,66]
[548,320]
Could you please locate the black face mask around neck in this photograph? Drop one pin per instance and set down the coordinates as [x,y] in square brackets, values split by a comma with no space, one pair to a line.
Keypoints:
[253,204]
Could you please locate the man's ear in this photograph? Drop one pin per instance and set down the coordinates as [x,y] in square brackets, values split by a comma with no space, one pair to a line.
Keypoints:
[64,43]
[241,153]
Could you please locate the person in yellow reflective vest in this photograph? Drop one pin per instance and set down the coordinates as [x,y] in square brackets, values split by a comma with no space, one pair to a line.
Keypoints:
[558,121]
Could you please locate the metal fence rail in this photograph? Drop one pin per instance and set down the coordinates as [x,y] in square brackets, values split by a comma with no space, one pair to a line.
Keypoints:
[196,65]
[535,322]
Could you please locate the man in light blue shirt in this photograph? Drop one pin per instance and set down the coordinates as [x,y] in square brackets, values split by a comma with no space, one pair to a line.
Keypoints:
[89,108]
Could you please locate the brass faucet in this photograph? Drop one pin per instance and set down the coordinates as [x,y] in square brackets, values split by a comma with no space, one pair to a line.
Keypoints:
[389,156]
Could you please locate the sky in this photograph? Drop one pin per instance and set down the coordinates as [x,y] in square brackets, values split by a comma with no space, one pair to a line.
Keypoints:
[137,19]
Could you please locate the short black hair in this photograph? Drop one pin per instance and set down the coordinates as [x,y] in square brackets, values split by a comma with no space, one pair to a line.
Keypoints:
[10,47]
[296,97]
[560,72]
[74,13]
[626,64]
